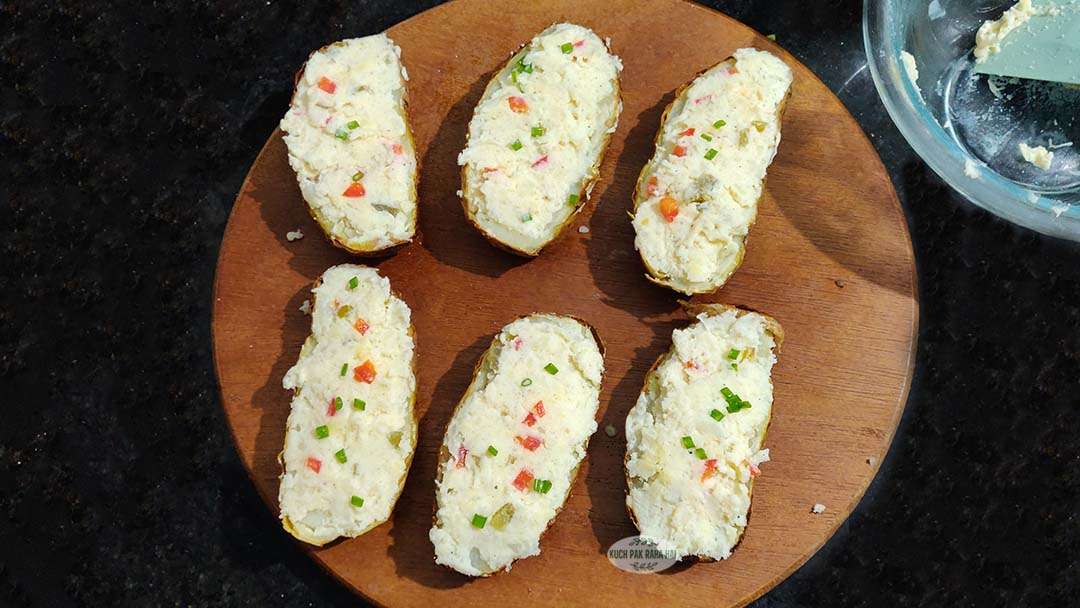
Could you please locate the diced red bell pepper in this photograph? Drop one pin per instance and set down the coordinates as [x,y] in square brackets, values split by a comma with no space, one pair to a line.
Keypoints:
[461,454]
[332,409]
[355,189]
[653,187]
[754,470]
[703,98]
[396,148]
[517,343]
[517,104]
[689,131]
[693,364]
[733,70]
[529,443]
[361,326]
[710,469]
[529,419]
[579,44]
[523,481]
[327,85]
[490,169]
[314,464]
[365,372]
[669,208]
[679,151]
[539,409]
[543,159]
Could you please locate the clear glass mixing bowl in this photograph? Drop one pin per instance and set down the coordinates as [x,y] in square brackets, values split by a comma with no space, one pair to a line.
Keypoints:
[968,126]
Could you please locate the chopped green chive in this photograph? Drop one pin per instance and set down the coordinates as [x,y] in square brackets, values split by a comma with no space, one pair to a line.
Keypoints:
[688,442]
[344,368]
[338,404]
[353,282]
[572,200]
[359,175]
[700,453]
[340,456]
[771,37]
[357,501]
[546,488]
[527,217]
[567,48]
[516,145]
[733,354]
[524,67]
[735,366]
[543,486]
[717,415]
[710,154]
[478,521]
[352,124]
[526,382]
[551,369]
[359,404]
[719,124]
[736,407]
[492,450]
[322,432]
[537,131]
[341,134]
[726,392]
[735,403]
[706,137]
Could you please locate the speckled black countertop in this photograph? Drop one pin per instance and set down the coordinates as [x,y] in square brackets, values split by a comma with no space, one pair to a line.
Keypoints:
[124,136]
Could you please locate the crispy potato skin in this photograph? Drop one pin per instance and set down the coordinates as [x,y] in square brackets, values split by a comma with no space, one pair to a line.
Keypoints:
[692,310]
[310,343]
[445,456]
[368,251]
[651,273]
[466,191]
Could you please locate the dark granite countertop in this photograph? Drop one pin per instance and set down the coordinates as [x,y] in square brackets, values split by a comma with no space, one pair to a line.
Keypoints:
[125,132]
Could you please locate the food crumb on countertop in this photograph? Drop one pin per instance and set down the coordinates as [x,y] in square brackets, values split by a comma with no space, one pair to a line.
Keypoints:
[818,508]
[871,460]
[610,430]
[583,229]
[294,235]
[306,307]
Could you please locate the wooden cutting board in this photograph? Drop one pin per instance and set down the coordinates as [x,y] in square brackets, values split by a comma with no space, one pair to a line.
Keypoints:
[829,257]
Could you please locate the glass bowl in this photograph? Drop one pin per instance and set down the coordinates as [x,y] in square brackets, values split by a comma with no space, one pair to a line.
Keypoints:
[968,126]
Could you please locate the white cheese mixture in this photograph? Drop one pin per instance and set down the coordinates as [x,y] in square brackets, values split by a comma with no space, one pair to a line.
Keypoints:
[351,430]
[350,144]
[698,196]
[537,135]
[515,442]
[992,33]
[912,69]
[1038,155]
[692,456]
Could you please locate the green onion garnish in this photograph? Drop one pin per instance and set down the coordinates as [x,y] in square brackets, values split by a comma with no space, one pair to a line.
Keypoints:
[546,488]
[710,154]
[344,368]
[516,145]
[726,392]
[526,382]
[359,175]
[537,131]
[359,404]
[341,134]
[357,501]
[537,484]
[567,48]
[572,200]
[735,407]
[543,486]
[706,137]
[551,369]
[478,521]
[352,124]
[353,282]
[719,124]
[700,453]
[527,217]
[337,403]
[771,37]
[733,354]
[492,450]
[322,432]
[688,442]
[717,415]
[735,366]
[340,456]
[524,67]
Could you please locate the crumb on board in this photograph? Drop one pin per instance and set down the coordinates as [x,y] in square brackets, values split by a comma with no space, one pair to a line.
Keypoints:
[294,235]
[817,508]
[610,430]
[871,460]
[839,283]
[306,307]
[583,229]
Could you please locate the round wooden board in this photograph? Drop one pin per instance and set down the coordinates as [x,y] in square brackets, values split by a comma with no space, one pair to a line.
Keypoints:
[829,257]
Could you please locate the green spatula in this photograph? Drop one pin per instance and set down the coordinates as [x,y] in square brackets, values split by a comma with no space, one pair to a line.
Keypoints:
[1046,47]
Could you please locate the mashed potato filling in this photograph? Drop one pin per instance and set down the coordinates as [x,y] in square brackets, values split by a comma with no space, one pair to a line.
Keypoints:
[692,449]
[536,137]
[698,195]
[350,145]
[513,447]
[351,430]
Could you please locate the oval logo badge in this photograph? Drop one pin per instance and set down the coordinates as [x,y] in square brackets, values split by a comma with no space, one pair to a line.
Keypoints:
[640,556]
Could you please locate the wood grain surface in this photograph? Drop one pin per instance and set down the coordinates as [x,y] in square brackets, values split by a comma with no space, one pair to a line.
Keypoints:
[829,257]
